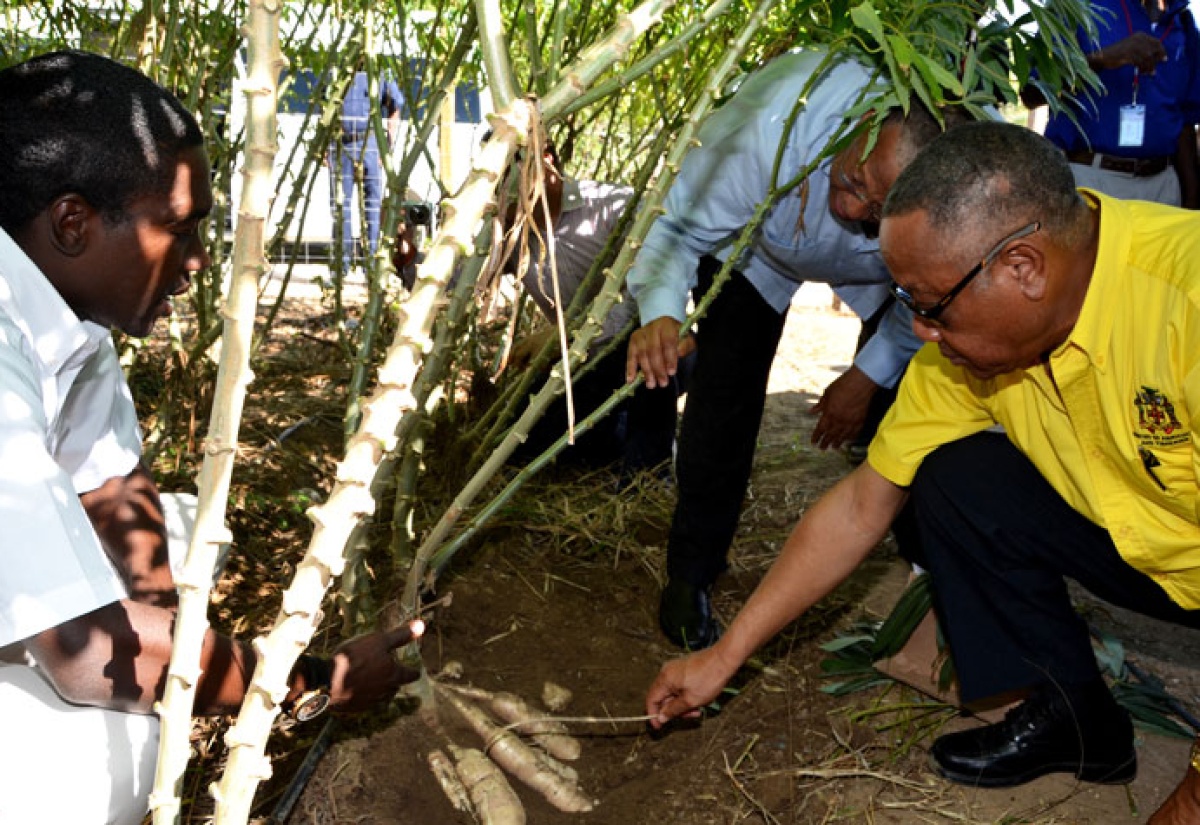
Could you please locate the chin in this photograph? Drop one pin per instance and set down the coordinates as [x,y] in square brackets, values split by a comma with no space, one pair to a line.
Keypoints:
[139,328]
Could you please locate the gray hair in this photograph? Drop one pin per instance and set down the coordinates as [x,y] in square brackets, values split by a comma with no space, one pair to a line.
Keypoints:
[919,127]
[994,175]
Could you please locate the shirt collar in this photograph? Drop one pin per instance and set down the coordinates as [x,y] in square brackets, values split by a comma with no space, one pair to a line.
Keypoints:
[1093,330]
[53,330]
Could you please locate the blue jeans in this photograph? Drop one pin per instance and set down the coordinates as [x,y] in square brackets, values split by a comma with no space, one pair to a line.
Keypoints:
[352,151]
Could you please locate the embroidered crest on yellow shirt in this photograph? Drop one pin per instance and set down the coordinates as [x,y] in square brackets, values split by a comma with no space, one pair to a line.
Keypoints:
[1157,425]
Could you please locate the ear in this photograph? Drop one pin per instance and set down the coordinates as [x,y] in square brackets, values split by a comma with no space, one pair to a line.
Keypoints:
[71,218]
[1026,263]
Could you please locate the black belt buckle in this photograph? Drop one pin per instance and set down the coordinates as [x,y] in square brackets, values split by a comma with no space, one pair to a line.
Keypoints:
[1138,167]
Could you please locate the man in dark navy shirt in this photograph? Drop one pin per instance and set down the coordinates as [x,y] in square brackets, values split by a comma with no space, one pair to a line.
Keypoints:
[1138,139]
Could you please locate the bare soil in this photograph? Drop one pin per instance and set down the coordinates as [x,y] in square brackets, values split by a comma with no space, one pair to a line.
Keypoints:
[564,588]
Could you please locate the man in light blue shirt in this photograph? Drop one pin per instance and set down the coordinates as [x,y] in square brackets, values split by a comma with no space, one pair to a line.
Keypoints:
[824,231]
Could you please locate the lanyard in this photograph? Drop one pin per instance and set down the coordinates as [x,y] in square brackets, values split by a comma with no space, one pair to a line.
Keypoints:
[1161,38]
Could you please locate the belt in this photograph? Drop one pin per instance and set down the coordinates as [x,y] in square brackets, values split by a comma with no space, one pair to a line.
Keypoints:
[1138,167]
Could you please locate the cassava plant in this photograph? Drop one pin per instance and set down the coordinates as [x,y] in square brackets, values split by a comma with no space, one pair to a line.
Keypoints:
[211,535]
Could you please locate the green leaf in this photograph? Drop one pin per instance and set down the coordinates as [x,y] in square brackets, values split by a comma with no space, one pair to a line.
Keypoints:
[923,92]
[843,642]
[968,78]
[941,77]
[910,609]
[866,18]
[845,666]
[854,685]
[902,50]
[899,80]
[946,674]
[1110,652]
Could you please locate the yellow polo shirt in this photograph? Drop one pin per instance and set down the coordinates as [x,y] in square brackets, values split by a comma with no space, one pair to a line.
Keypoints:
[1108,419]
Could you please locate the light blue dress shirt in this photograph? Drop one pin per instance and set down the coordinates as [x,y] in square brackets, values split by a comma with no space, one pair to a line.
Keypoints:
[724,179]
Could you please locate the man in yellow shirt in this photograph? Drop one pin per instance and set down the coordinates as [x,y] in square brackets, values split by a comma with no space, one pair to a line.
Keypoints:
[1073,320]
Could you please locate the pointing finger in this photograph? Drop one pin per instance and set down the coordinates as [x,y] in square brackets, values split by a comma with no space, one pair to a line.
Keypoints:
[405,633]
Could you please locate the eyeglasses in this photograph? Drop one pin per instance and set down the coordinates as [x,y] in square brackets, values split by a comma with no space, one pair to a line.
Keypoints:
[932,313]
[856,188]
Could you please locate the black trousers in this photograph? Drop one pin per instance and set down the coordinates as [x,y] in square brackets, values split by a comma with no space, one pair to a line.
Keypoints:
[727,390]
[639,434]
[999,543]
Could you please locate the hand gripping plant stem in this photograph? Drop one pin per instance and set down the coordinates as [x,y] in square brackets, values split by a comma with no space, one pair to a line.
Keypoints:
[350,499]
[233,376]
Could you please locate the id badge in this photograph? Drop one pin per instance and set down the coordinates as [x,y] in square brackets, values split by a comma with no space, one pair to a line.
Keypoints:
[1133,125]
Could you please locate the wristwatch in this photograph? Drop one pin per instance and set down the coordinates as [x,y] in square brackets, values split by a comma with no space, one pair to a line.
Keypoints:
[314,699]
[1195,756]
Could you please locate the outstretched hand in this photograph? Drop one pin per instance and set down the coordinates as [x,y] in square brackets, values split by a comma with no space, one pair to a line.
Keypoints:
[365,669]
[686,685]
[655,349]
[1141,50]
[404,251]
[1182,807]
[842,409]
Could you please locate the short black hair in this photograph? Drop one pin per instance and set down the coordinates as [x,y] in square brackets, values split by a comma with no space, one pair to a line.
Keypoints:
[990,173]
[71,121]
[919,126]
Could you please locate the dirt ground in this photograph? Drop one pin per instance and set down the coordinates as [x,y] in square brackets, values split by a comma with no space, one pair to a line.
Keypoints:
[573,601]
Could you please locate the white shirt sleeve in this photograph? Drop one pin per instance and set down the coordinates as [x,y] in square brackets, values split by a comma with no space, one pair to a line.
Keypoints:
[52,567]
[884,357]
[100,438]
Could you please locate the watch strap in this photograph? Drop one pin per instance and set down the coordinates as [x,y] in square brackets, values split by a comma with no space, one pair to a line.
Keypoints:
[317,674]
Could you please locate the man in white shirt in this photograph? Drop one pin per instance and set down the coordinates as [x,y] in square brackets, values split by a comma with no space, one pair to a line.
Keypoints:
[106,185]
[639,434]
[824,231]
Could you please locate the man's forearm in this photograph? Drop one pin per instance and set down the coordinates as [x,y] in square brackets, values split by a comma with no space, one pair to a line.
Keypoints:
[117,657]
[828,544]
[128,517]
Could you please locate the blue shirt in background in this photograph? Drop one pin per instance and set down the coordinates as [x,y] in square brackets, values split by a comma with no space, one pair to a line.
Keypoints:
[1171,95]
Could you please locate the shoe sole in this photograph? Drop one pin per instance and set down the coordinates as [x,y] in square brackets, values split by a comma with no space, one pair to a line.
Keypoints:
[1121,774]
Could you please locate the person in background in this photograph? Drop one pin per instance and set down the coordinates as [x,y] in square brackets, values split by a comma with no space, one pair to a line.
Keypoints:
[640,434]
[823,231]
[106,188]
[354,159]
[1071,319]
[406,244]
[1136,139]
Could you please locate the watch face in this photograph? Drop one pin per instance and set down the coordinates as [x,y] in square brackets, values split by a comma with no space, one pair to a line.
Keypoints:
[312,707]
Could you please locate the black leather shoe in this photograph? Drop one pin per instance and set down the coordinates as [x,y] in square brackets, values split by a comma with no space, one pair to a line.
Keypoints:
[1086,734]
[685,615]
